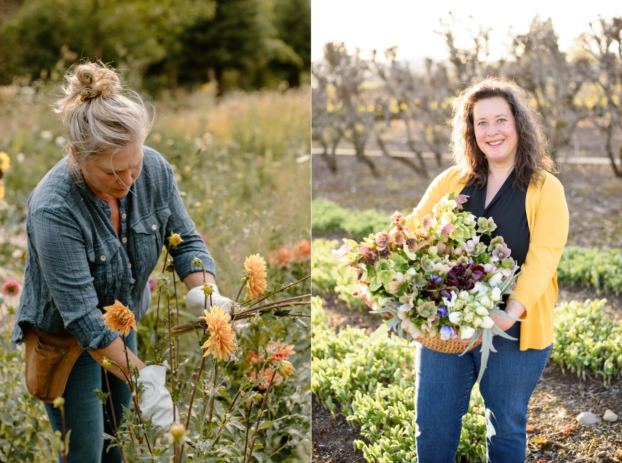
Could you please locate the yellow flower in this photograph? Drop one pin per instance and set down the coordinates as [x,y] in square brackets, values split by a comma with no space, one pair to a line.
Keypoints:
[285,369]
[119,318]
[59,402]
[221,342]
[106,363]
[208,289]
[1,191]
[5,162]
[174,239]
[256,272]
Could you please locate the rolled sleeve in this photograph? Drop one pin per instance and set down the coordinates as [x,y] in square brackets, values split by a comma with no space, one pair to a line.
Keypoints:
[62,258]
[192,245]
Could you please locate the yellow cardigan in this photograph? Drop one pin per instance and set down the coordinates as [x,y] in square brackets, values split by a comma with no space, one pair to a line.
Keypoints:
[536,286]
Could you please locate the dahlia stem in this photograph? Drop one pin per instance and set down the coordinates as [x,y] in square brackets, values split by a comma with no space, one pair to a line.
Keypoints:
[253,302]
[259,414]
[114,418]
[170,352]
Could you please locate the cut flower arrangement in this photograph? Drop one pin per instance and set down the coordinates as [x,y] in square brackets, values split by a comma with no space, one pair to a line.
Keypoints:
[435,279]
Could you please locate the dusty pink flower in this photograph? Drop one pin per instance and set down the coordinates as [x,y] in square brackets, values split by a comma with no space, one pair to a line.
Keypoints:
[461,199]
[382,240]
[152,285]
[428,221]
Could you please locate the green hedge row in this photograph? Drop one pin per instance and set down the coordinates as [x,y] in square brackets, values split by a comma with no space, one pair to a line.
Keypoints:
[599,269]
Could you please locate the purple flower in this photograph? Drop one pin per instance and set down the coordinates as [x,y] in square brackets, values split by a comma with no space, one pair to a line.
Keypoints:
[442,311]
[461,199]
[447,332]
[436,279]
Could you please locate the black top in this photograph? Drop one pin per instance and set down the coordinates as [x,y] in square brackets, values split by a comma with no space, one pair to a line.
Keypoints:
[508,211]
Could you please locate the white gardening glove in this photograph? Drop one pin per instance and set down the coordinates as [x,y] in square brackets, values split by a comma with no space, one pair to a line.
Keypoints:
[156,402]
[195,300]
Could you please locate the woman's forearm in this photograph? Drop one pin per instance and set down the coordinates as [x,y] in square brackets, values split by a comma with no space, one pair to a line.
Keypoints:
[114,352]
[196,279]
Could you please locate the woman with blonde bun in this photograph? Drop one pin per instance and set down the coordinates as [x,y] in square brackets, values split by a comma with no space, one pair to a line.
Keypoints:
[501,165]
[96,226]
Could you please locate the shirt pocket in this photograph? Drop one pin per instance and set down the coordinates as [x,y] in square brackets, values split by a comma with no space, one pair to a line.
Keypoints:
[148,235]
[101,258]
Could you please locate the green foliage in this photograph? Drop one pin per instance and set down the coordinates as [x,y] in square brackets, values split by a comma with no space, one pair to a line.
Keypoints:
[599,269]
[24,435]
[587,340]
[169,41]
[329,277]
[376,389]
[328,217]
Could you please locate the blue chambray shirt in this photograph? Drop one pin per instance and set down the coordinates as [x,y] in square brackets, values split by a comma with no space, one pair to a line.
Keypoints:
[77,264]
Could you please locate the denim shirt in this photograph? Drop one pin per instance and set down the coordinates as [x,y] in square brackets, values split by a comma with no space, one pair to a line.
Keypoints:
[77,264]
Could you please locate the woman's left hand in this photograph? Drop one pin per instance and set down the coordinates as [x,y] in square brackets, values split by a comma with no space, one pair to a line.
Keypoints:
[513,308]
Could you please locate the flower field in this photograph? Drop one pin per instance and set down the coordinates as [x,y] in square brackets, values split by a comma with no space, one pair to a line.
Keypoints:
[242,167]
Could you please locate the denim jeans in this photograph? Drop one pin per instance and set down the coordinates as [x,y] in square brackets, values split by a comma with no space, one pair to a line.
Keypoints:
[444,383]
[84,413]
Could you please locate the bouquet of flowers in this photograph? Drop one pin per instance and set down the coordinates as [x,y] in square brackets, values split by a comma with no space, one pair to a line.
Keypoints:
[434,279]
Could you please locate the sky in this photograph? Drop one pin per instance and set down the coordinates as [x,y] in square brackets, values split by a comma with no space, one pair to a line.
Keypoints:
[410,24]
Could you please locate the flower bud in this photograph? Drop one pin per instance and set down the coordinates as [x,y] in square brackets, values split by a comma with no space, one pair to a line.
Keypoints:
[178,431]
[59,402]
[482,311]
[466,332]
[106,363]
[208,289]
[174,239]
[487,323]
[455,317]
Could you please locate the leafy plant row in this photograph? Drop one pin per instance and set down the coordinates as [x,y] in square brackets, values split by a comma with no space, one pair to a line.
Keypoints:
[375,388]
[600,269]
[587,340]
[329,217]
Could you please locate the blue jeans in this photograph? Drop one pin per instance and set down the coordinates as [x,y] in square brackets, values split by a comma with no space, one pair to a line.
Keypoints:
[444,383]
[84,413]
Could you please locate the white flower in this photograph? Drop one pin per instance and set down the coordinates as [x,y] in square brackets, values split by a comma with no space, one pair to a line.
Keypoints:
[464,295]
[485,301]
[495,296]
[495,280]
[405,308]
[481,310]
[414,331]
[46,135]
[487,323]
[480,288]
[450,303]
[406,324]
[466,332]
[402,315]
[455,318]
[477,322]
[60,141]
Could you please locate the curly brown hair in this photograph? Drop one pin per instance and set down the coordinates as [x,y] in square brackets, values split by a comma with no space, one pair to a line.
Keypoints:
[531,154]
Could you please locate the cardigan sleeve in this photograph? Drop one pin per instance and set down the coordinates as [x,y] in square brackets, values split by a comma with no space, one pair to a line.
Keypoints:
[548,235]
[439,187]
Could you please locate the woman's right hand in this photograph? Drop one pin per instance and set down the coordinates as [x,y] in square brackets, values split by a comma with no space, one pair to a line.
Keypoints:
[155,402]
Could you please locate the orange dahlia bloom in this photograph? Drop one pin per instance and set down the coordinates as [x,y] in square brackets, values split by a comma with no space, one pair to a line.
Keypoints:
[255,268]
[279,351]
[221,342]
[254,358]
[302,251]
[281,257]
[119,318]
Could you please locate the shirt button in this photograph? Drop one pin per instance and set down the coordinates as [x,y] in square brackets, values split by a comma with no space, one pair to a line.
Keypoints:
[153,227]
[129,265]
[124,239]
[131,287]
[103,257]
[123,216]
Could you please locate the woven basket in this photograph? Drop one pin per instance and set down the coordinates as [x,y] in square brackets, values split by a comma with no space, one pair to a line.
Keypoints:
[446,347]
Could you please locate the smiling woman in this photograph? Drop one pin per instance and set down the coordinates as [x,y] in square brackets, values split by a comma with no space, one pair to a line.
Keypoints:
[503,170]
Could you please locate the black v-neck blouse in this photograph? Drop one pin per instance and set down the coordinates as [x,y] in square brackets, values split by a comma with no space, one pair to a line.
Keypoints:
[508,211]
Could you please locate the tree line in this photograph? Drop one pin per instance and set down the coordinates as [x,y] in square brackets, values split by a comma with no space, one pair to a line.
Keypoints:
[566,89]
[160,43]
